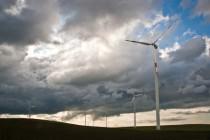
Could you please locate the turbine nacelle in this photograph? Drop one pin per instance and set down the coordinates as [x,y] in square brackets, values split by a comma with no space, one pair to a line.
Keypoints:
[155,46]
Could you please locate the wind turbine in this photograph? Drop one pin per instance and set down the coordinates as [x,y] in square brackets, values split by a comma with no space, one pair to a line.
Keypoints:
[93,123]
[134,107]
[156,75]
[85,118]
[106,121]
[30,107]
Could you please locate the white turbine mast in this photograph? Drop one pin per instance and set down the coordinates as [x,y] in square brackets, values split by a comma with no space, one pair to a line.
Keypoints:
[85,118]
[156,75]
[29,110]
[30,107]
[93,123]
[106,121]
[133,101]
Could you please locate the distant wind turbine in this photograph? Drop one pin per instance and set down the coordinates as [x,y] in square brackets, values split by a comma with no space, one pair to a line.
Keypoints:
[156,75]
[106,121]
[133,101]
[85,118]
[93,123]
[30,106]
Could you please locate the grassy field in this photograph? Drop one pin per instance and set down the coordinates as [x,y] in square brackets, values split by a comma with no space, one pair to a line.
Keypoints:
[30,129]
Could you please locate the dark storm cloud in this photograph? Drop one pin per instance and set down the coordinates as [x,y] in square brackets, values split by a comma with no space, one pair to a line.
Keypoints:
[33,23]
[204,73]
[10,59]
[4,4]
[88,18]
[183,85]
[174,80]
[15,100]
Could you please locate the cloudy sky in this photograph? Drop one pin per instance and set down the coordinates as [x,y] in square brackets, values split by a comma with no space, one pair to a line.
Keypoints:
[70,55]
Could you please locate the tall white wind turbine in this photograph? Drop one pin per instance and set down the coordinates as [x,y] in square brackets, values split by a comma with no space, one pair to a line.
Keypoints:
[156,75]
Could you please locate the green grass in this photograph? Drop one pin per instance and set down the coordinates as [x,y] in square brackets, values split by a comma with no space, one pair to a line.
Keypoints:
[31,129]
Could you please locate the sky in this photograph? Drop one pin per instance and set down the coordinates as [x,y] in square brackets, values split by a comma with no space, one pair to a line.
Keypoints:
[61,58]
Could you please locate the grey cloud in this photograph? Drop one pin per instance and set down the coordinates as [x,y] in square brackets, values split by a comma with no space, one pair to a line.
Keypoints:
[200,89]
[15,101]
[189,51]
[58,100]
[111,98]
[113,104]
[83,68]
[196,84]
[204,72]
[202,9]
[4,4]
[9,56]
[192,89]
[10,59]
[34,23]
[88,18]
[186,3]
[173,76]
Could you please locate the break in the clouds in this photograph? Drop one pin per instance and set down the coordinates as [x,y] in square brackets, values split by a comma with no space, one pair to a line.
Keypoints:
[71,55]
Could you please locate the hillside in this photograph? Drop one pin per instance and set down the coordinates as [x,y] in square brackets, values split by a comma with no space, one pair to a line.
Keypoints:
[31,129]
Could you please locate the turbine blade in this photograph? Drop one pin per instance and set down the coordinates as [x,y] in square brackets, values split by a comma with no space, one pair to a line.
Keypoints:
[163,33]
[132,100]
[137,95]
[143,43]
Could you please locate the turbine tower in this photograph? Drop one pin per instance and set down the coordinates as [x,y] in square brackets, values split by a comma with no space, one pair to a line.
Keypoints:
[106,121]
[134,107]
[30,107]
[156,75]
[29,110]
[85,118]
